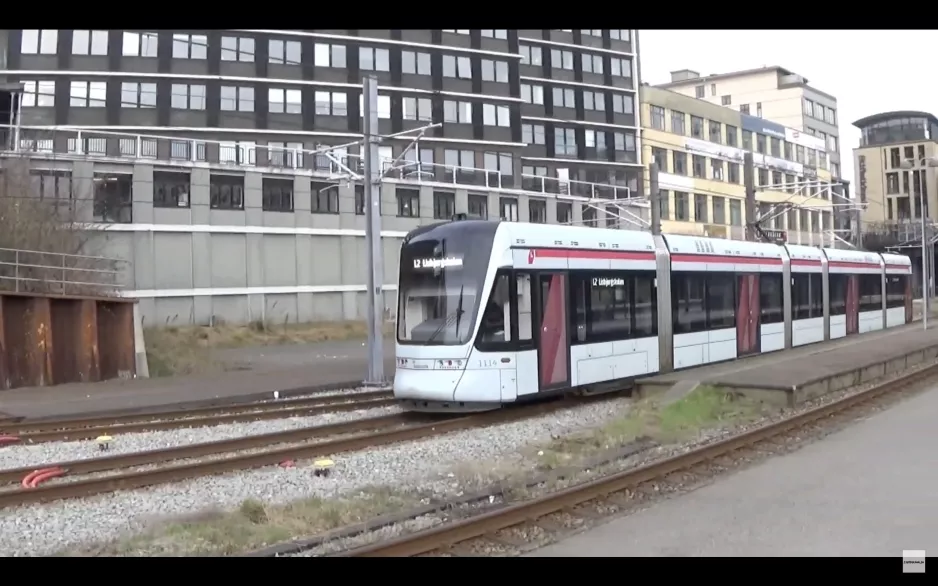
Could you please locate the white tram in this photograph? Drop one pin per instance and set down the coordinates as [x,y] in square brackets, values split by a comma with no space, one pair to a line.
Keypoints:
[497,312]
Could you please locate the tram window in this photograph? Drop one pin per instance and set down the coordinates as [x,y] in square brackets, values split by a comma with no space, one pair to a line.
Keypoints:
[524,307]
[721,301]
[689,302]
[871,293]
[644,307]
[771,298]
[895,290]
[838,293]
[580,301]
[496,324]
[806,296]
[610,308]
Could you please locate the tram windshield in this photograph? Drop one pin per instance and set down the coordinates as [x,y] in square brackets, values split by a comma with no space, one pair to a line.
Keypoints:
[441,278]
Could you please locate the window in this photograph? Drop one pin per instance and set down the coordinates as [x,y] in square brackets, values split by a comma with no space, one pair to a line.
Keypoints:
[284,101]
[592,63]
[660,157]
[736,213]
[415,63]
[237,98]
[770,298]
[595,101]
[328,55]
[170,189]
[89,94]
[277,195]
[372,59]
[715,131]
[417,109]
[591,32]
[732,173]
[457,112]
[288,154]
[622,104]
[531,55]
[138,95]
[657,117]
[744,108]
[699,166]
[613,305]
[747,140]
[89,42]
[190,46]
[759,109]
[537,211]
[832,145]
[460,67]
[226,192]
[39,42]
[495,34]
[408,203]
[807,107]
[677,122]
[494,71]
[702,301]
[561,59]
[284,52]
[508,208]
[892,183]
[726,100]
[39,94]
[564,212]
[696,127]
[624,144]
[679,161]
[719,210]
[620,67]
[620,35]
[895,290]
[595,139]
[237,49]
[497,163]
[830,116]
[139,44]
[532,94]
[455,31]
[716,169]
[731,138]
[700,208]
[565,142]
[664,198]
[463,160]
[871,293]
[681,207]
[113,196]
[760,143]
[699,92]
[564,97]
[532,133]
[478,206]
[493,115]
[806,300]
[444,205]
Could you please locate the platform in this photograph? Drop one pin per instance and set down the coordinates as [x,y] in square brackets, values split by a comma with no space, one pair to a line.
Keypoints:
[793,376]
[143,395]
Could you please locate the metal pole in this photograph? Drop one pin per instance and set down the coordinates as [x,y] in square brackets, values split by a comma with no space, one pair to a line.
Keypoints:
[19,121]
[372,184]
[749,183]
[654,198]
[924,263]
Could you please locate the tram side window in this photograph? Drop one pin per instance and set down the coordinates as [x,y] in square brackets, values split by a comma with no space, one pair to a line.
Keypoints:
[721,301]
[871,293]
[496,314]
[838,292]
[688,302]
[806,296]
[895,290]
[610,312]
[523,294]
[610,306]
[771,298]
[644,306]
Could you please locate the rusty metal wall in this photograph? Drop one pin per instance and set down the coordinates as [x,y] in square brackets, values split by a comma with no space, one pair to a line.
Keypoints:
[48,340]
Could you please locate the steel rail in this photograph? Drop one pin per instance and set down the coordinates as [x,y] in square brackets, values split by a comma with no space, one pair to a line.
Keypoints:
[449,534]
[58,490]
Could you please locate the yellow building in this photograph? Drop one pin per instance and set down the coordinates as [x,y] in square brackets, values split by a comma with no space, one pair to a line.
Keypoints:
[699,148]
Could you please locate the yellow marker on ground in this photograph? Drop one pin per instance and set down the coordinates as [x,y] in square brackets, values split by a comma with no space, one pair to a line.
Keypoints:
[104,442]
[322,467]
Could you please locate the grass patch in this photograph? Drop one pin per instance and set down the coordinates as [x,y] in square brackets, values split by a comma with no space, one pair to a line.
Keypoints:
[253,525]
[704,408]
[185,350]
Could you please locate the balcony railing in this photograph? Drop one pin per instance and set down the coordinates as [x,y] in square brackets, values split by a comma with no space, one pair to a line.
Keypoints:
[71,143]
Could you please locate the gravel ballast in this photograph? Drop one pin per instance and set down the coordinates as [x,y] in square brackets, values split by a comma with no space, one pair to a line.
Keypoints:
[44,529]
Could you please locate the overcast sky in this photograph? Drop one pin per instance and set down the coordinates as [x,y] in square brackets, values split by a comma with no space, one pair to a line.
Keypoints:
[867,71]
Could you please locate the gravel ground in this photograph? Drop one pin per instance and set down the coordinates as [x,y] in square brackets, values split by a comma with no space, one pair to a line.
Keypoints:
[44,529]
[17,456]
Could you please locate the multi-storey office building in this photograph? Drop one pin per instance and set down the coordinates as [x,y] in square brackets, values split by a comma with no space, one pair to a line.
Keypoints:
[699,148]
[201,147]
[773,93]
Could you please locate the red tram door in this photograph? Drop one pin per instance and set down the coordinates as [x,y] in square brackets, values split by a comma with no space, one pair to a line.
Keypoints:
[552,343]
[853,304]
[748,313]
[908,299]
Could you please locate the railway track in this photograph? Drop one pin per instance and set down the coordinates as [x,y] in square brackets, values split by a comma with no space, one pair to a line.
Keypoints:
[615,492]
[81,478]
[33,432]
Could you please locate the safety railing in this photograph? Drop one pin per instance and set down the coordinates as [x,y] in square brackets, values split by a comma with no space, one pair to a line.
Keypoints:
[326,161]
[33,271]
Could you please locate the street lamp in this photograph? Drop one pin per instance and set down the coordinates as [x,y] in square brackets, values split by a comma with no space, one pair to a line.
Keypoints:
[910,164]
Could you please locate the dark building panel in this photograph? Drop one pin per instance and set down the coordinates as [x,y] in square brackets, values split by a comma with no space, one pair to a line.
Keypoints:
[214,52]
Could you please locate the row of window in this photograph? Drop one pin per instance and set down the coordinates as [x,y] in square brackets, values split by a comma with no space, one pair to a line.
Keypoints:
[713,131]
[615,34]
[819,111]
[533,55]
[594,141]
[712,209]
[591,100]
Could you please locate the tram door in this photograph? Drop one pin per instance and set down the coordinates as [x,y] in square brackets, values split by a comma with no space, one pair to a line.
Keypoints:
[748,313]
[553,345]
[908,298]
[853,304]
